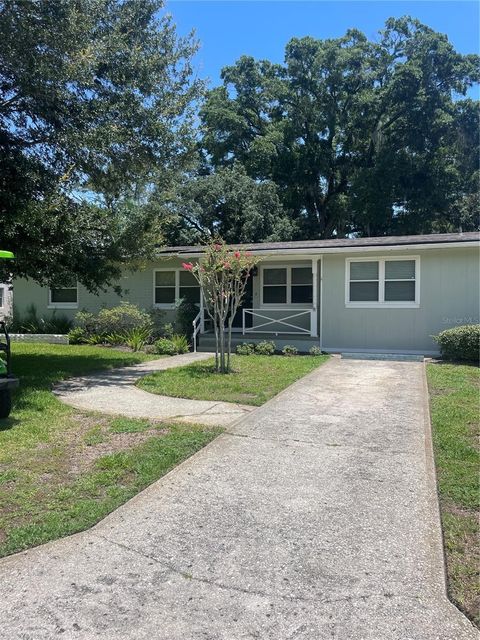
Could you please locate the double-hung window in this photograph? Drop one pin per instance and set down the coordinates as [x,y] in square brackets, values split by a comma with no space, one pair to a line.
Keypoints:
[382,282]
[64,297]
[170,285]
[287,285]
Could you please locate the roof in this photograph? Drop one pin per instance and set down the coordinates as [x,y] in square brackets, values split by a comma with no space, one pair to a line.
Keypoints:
[339,243]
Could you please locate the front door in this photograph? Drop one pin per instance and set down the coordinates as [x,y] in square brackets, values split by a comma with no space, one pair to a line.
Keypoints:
[247,303]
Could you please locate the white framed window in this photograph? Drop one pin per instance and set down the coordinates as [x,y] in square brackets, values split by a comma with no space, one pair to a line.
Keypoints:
[65,297]
[286,285]
[382,282]
[169,285]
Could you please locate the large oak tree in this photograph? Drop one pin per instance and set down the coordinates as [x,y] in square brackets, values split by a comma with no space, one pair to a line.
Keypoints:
[95,103]
[366,137]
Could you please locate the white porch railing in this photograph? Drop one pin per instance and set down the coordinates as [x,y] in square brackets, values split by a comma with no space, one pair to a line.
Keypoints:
[197,325]
[280,324]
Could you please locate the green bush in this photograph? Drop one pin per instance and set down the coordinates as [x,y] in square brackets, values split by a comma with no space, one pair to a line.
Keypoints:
[315,351]
[77,335]
[265,348]
[184,317]
[181,343]
[136,338]
[124,324]
[460,343]
[172,346]
[289,350]
[124,317]
[245,349]
[32,323]
[165,347]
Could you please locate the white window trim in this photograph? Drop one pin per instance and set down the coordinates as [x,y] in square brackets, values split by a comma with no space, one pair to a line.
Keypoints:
[168,305]
[288,284]
[62,305]
[381,303]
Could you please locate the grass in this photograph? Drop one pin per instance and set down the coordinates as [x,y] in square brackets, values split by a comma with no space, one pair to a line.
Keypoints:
[62,470]
[454,399]
[254,380]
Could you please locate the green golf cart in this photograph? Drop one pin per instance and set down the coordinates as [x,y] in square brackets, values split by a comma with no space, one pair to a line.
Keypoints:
[7,379]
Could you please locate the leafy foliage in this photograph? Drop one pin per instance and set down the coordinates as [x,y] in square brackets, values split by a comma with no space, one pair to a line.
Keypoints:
[245,349]
[173,345]
[95,103]
[228,203]
[265,348]
[364,137]
[32,323]
[289,350]
[460,343]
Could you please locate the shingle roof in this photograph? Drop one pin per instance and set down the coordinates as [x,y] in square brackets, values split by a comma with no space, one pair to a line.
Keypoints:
[340,243]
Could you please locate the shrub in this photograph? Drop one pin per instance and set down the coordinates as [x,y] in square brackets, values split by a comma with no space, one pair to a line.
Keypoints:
[167,330]
[180,342]
[265,348]
[165,347]
[184,317]
[86,321]
[315,351]
[77,335]
[136,338]
[124,317]
[289,350]
[114,339]
[94,338]
[460,343]
[245,349]
[31,323]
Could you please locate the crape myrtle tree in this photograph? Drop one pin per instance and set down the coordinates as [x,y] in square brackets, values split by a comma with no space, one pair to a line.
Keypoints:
[222,275]
[367,137]
[96,104]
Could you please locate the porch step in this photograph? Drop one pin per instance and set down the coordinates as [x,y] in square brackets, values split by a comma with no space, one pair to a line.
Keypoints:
[383,356]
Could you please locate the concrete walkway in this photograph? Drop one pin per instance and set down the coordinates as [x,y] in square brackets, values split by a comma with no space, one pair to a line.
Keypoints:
[114,392]
[314,518]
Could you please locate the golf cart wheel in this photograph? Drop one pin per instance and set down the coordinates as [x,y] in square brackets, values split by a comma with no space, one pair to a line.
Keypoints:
[5,403]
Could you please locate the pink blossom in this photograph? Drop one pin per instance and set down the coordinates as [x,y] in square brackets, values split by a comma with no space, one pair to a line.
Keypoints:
[226,265]
[237,254]
[217,247]
[188,266]
[248,254]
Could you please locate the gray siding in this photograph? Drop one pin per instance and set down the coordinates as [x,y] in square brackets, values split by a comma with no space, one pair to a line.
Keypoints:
[137,287]
[449,296]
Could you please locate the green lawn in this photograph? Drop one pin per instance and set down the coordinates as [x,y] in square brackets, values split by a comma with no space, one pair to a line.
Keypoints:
[454,399]
[255,379]
[62,470]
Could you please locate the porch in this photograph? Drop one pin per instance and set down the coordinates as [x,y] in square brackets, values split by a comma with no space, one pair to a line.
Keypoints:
[281,303]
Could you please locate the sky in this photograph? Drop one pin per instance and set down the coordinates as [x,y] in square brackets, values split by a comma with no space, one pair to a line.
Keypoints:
[228,29]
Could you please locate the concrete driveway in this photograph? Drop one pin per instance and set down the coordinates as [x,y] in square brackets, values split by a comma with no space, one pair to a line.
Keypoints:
[315,517]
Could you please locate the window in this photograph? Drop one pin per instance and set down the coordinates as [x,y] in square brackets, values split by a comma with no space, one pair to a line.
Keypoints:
[189,289]
[275,286]
[165,287]
[65,297]
[169,285]
[382,282]
[287,285]
[301,291]
[2,297]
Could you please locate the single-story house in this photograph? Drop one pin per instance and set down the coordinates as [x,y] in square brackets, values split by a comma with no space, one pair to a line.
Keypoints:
[382,294]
